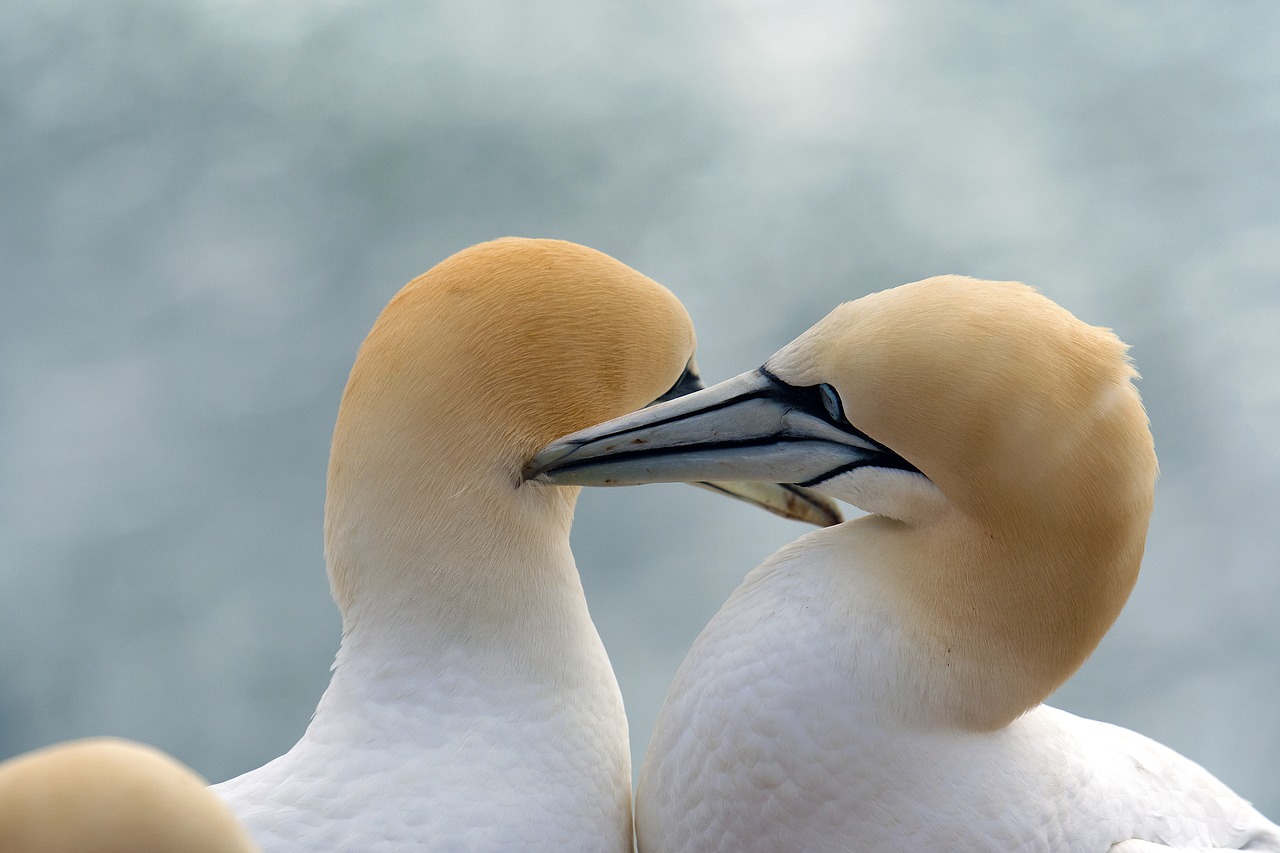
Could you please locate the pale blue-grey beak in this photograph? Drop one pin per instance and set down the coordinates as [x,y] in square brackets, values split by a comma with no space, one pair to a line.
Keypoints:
[784,499]
[753,428]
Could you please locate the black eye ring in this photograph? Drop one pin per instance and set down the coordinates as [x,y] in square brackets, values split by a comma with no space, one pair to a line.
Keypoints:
[831,402]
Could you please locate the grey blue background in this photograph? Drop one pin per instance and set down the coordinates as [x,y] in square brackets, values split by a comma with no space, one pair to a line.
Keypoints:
[204,204]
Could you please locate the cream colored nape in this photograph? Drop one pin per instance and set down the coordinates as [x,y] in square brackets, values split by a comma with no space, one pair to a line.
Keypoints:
[105,795]
[1027,422]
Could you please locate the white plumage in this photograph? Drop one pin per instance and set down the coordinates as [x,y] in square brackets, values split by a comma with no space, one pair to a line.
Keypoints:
[876,686]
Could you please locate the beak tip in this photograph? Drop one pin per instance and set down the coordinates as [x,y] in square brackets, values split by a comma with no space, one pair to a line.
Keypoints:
[809,506]
[826,516]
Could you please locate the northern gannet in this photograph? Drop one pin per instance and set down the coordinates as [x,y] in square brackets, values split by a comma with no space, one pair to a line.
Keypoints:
[105,795]
[876,686]
[472,705]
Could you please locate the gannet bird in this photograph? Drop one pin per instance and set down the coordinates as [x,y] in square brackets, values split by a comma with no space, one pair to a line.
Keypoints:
[472,705]
[106,795]
[876,686]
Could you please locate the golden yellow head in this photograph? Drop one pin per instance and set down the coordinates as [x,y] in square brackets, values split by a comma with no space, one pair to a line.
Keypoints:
[1002,398]
[1027,422]
[503,347]
[470,369]
[105,795]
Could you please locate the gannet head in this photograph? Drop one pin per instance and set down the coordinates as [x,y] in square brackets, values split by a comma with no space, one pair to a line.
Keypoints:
[471,368]
[998,441]
[1005,402]
[104,795]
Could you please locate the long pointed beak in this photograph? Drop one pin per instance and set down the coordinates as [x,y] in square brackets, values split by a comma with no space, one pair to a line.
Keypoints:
[784,499]
[753,427]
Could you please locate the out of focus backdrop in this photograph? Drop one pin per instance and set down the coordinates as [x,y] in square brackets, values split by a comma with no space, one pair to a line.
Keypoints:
[205,203]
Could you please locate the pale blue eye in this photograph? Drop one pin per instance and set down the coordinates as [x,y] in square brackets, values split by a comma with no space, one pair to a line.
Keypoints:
[831,402]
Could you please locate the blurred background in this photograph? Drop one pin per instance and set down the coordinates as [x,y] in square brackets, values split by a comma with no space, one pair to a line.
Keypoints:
[205,203]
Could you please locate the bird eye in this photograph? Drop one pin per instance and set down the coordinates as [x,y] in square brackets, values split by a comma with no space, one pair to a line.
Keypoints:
[831,402]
